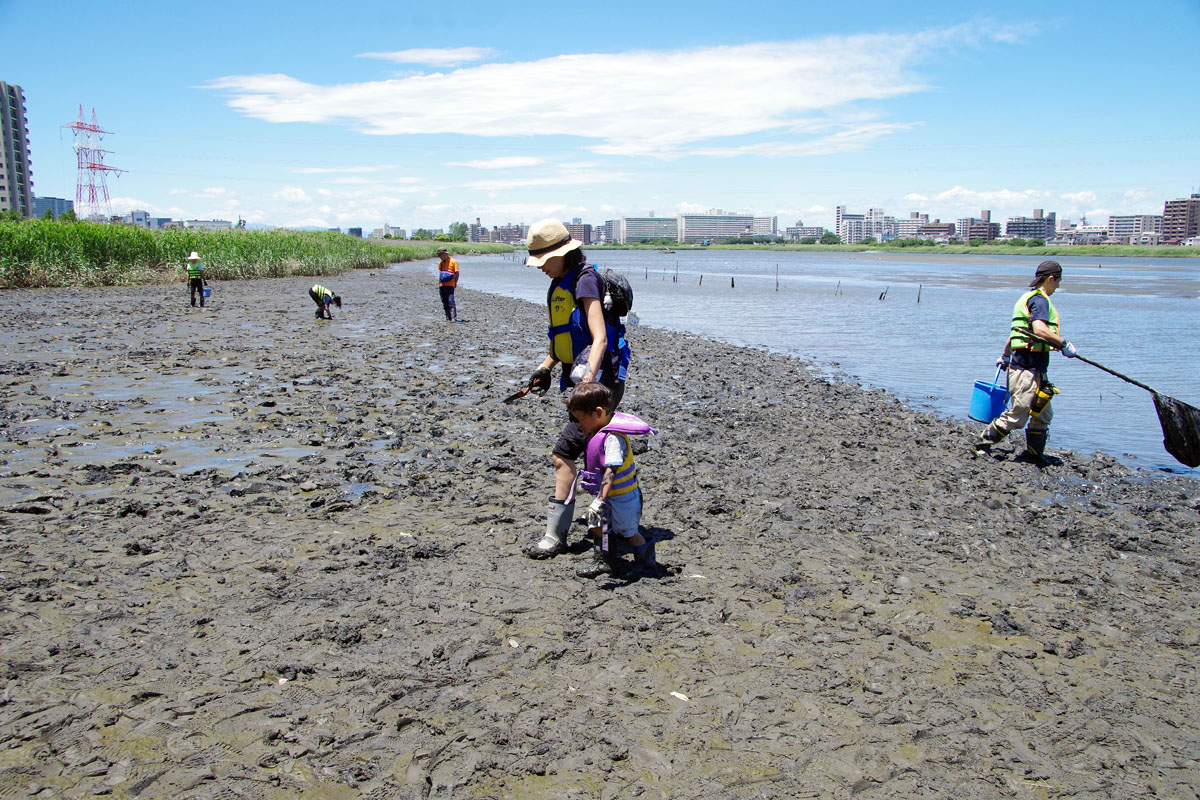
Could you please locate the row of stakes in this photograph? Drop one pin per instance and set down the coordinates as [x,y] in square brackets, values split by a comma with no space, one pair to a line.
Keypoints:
[733,285]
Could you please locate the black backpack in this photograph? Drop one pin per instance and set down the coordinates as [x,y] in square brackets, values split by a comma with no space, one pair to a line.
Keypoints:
[618,294]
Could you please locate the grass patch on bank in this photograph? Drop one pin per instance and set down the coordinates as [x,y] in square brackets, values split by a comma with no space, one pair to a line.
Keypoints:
[44,253]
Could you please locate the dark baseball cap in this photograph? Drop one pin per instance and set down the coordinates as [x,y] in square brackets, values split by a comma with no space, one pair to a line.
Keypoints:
[1045,270]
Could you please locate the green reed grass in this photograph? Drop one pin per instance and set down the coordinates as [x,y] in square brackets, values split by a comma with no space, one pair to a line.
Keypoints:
[38,253]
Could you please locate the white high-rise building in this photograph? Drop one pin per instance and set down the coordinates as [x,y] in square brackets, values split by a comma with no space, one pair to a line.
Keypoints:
[909,228]
[1134,225]
[16,169]
[631,230]
[717,225]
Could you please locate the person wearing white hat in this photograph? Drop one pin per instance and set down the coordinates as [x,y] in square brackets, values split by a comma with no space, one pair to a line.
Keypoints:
[589,342]
[195,278]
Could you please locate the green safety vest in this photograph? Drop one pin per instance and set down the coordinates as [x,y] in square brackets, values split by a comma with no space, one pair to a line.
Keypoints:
[1022,327]
[194,270]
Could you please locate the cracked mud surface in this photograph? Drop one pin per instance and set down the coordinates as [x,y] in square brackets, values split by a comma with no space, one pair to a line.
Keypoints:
[248,554]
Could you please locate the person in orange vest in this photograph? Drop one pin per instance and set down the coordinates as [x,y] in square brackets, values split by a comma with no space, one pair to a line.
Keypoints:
[447,280]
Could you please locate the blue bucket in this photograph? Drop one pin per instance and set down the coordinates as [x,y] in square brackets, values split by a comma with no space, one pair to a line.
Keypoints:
[207,292]
[988,400]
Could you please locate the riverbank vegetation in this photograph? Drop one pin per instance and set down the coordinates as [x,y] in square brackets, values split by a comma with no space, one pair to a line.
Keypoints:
[43,253]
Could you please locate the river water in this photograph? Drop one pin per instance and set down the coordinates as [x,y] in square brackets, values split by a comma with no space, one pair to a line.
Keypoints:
[926,327]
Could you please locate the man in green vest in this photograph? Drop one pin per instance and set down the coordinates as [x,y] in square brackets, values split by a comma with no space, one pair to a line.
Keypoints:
[1035,332]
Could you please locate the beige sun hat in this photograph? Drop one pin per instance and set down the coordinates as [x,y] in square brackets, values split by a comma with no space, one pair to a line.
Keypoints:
[194,256]
[547,239]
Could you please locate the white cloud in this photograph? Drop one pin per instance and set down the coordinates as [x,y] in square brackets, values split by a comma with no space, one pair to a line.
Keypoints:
[1080,198]
[660,103]
[336,170]
[986,198]
[561,175]
[355,180]
[211,192]
[436,57]
[502,162]
[293,195]
[854,137]
[123,205]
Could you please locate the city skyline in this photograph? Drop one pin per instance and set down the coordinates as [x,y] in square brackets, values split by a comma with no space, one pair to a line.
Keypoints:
[417,120]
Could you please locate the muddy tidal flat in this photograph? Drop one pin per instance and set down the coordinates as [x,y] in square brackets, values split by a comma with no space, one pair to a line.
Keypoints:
[248,554]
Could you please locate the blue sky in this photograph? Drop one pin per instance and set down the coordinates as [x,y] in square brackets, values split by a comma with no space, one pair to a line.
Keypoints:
[309,113]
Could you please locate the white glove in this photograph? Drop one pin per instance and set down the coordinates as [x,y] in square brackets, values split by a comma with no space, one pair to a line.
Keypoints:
[1068,350]
[595,513]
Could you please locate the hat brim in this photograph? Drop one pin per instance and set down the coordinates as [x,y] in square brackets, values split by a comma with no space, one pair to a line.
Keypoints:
[538,260]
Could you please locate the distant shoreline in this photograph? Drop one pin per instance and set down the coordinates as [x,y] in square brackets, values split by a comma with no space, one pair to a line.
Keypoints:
[1109,250]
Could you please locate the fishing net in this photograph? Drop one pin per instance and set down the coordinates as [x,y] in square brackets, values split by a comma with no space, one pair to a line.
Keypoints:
[1181,429]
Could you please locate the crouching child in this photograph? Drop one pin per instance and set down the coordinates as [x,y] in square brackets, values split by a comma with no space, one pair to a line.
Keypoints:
[612,476]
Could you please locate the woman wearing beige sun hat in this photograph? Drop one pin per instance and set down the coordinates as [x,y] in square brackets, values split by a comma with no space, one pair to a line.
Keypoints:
[589,342]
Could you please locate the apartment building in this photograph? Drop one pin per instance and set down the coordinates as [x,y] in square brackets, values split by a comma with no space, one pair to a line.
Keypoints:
[937,230]
[854,228]
[1181,219]
[766,226]
[1039,226]
[477,232]
[631,230]
[509,234]
[580,232]
[716,225]
[970,228]
[57,206]
[851,227]
[1125,228]
[910,228]
[795,233]
[16,168]
[211,225]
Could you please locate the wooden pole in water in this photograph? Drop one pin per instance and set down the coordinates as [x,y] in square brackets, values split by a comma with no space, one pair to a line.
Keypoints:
[777,277]
[730,281]
[701,279]
[837,288]
[919,287]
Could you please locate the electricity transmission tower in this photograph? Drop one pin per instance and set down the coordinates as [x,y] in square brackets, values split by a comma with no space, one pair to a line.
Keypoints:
[91,185]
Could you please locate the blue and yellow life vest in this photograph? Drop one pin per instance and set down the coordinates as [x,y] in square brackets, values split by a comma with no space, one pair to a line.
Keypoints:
[626,477]
[568,330]
[1021,337]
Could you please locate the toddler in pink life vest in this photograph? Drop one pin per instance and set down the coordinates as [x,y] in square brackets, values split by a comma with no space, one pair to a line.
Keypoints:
[611,475]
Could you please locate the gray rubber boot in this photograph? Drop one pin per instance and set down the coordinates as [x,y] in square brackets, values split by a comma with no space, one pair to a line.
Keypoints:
[990,436]
[558,521]
[1035,447]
